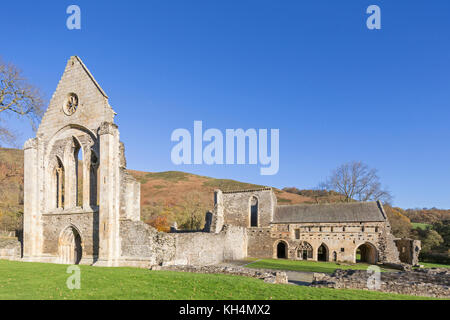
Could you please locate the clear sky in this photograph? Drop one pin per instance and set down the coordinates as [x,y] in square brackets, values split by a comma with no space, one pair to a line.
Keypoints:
[336,90]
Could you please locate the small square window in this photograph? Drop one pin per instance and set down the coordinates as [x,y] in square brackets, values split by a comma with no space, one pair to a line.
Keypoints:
[342,249]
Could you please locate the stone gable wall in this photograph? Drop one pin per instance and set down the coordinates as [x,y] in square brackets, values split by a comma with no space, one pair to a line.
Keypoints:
[236,207]
[93,107]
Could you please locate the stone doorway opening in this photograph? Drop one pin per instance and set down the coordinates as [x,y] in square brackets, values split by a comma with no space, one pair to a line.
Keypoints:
[366,253]
[281,250]
[70,250]
[322,253]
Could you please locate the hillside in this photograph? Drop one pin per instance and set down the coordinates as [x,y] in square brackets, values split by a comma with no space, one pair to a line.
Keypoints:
[172,196]
[162,193]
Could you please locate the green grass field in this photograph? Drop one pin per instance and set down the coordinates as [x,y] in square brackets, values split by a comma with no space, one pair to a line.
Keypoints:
[434,265]
[307,266]
[20,280]
[422,226]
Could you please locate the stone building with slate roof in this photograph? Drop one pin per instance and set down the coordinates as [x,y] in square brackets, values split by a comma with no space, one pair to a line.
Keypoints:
[346,232]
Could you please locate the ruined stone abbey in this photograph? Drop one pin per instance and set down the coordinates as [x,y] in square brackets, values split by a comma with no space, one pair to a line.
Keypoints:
[82,206]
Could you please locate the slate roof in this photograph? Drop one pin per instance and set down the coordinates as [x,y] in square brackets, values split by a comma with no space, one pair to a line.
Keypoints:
[334,212]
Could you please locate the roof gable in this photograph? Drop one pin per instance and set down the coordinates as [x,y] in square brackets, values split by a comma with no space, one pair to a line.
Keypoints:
[93,107]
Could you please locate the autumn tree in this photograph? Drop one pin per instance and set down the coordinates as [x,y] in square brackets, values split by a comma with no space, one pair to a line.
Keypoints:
[8,171]
[17,97]
[400,224]
[192,212]
[356,181]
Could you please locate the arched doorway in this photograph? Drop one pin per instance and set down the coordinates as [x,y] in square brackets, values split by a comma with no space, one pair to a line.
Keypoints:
[281,250]
[366,253]
[322,253]
[70,250]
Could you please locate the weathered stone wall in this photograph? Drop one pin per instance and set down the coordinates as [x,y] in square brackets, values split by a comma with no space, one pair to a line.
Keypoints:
[422,282]
[267,275]
[409,250]
[85,223]
[340,239]
[236,207]
[203,248]
[260,243]
[10,249]
[142,245]
[93,106]
[130,197]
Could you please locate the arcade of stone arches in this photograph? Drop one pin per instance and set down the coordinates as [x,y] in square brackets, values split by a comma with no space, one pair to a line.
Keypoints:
[365,252]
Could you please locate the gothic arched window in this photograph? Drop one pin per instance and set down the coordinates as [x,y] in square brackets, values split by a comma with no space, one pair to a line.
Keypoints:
[59,179]
[254,212]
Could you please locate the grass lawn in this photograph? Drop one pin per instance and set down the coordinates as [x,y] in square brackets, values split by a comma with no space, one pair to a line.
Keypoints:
[422,226]
[434,265]
[20,280]
[307,266]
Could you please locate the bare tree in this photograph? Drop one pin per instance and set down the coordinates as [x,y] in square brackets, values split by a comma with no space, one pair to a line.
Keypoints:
[356,181]
[17,97]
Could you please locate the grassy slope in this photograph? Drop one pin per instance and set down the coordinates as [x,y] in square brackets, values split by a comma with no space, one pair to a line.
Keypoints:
[161,188]
[306,266]
[19,280]
[422,226]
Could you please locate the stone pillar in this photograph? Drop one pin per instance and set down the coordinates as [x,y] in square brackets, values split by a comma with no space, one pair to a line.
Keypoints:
[32,224]
[218,218]
[109,242]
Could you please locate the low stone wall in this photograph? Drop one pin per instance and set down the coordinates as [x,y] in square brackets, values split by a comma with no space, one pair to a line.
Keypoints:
[204,248]
[10,249]
[144,246]
[267,276]
[422,282]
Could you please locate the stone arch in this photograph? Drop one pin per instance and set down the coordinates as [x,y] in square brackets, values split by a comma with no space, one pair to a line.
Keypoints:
[65,142]
[367,252]
[281,249]
[304,251]
[254,211]
[323,252]
[70,246]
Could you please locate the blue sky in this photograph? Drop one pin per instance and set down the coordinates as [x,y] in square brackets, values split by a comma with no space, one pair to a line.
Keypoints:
[336,90]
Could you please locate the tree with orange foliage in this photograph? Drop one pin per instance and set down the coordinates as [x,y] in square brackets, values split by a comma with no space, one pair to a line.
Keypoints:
[159,223]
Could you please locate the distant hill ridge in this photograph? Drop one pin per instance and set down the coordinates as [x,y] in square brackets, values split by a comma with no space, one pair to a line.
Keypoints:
[163,190]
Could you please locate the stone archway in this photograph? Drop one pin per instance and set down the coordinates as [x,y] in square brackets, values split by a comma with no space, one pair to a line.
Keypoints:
[70,250]
[367,253]
[322,253]
[281,250]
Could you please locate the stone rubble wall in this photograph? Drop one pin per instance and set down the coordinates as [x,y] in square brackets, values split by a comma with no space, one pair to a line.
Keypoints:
[10,249]
[422,282]
[203,248]
[267,276]
[142,245]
